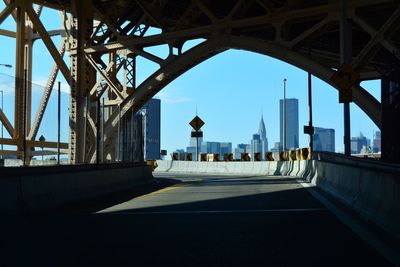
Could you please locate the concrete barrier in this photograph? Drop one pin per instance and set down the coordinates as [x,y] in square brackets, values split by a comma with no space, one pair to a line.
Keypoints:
[372,189]
[34,189]
[228,168]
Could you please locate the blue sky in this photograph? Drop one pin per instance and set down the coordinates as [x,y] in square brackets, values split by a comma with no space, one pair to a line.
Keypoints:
[230,91]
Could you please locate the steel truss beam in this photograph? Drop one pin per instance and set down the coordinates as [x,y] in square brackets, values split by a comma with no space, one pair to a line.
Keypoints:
[202,52]
[288,30]
[155,82]
[28,29]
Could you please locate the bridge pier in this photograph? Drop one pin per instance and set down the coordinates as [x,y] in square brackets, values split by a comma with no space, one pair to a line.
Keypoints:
[390,145]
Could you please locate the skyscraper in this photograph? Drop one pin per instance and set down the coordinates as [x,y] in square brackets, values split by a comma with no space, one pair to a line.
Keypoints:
[255,144]
[193,144]
[324,139]
[259,143]
[211,147]
[241,148]
[152,116]
[263,137]
[357,143]
[226,148]
[216,147]
[193,141]
[292,123]
[139,136]
[376,147]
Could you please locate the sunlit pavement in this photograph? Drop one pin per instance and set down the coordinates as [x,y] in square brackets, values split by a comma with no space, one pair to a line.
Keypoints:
[197,221]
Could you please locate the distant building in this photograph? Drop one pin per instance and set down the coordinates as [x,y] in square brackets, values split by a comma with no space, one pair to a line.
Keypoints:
[376,146]
[255,144]
[292,123]
[192,150]
[226,148]
[324,139]
[193,141]
[263,135]
[357,143]
[237,155]
[248,148]
[130,144]
[277,147]
[241,148]
[216,147]
[259,143]
[211,147]
[152,120]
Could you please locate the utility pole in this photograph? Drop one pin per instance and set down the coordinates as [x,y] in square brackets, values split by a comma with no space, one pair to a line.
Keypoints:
[58,123]
[25,88]
[310,122]
[284,115]
[344,59]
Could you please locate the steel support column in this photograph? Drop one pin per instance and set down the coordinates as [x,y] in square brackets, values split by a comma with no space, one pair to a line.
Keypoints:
[82,78]
[19,77]
[344,58]
[390,142]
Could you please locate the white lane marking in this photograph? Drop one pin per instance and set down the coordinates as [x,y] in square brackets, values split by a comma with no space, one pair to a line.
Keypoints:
[387,252]
[222,211]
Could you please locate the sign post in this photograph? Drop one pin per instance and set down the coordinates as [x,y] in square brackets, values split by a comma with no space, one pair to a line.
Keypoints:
[197,123]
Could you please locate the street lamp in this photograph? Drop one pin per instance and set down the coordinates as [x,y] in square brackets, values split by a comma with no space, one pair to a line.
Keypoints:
[284,115]
[2,107]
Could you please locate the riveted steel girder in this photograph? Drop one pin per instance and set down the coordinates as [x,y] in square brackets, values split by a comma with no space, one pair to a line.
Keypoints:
[303,33]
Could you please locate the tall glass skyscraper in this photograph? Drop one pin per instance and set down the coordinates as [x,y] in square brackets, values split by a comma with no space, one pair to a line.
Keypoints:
[139,136]
[376,147]
[255,144]
[357,143]
[259,143]
[152,117]
[292,123]
[324,139]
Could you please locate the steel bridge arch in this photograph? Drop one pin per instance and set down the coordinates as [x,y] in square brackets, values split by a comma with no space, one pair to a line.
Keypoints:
[177,65]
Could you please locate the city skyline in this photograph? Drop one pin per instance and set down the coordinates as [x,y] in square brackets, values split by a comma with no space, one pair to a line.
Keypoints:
[231,112]
[323,140]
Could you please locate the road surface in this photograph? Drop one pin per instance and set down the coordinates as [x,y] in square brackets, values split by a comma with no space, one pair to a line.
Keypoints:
[195,221]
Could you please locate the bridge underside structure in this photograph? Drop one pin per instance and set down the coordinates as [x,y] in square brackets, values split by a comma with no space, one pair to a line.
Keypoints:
[105,38]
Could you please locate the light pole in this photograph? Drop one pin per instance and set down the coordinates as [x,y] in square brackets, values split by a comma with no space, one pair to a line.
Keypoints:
[2,107]
[284,115]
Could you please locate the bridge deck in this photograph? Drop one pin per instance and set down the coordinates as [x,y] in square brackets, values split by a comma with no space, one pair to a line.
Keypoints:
[203,220]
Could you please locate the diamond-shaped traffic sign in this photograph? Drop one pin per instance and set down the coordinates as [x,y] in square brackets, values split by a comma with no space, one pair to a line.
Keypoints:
[196,123]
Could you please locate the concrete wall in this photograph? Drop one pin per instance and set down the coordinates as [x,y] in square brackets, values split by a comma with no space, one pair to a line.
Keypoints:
[35,189]
[34,162]
[289,168]
[370,188]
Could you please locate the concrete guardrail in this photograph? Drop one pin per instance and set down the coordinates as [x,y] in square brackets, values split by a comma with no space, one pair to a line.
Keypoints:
[34,189]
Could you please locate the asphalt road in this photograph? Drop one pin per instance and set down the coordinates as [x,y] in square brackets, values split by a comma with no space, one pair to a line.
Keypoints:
[195,221]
